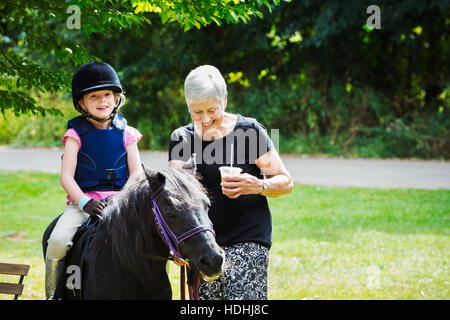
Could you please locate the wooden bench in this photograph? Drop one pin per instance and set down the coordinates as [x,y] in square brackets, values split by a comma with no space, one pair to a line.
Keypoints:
[13,269]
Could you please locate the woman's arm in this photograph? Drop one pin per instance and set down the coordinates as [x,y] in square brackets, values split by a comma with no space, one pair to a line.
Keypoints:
[278,182]
[68,167]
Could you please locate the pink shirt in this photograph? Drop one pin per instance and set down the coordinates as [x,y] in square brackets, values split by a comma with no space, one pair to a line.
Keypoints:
[131,135]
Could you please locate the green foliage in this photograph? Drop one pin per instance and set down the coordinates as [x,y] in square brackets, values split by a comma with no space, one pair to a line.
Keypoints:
[306,70]
[10,126]
[39,51]
[312,69]
[197,13]
[424,136]
[31,130]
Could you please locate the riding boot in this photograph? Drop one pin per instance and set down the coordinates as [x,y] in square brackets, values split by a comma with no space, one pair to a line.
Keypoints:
[53,271]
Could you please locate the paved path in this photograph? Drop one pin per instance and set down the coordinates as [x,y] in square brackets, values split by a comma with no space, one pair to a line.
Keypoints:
[367,173]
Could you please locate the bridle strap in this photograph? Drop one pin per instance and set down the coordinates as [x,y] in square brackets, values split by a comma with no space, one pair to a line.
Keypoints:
[165,229]
[173,241]
[193,232]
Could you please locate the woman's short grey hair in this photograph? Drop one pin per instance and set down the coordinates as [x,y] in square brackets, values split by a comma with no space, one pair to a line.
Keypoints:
[205,84]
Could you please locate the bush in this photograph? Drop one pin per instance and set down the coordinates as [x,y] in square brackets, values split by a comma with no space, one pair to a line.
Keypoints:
[347,121]
[416,135]
[38,131]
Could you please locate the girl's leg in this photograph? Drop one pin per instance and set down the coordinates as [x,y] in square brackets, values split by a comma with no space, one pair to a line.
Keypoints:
[60,240]
[59,243]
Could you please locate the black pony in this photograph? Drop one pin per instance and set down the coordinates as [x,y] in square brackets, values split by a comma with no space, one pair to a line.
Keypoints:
[127,254]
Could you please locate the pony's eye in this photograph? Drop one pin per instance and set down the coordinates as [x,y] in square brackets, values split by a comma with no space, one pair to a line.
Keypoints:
[171,214]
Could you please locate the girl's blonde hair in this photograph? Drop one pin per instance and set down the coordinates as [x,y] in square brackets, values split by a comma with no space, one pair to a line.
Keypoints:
[121,99]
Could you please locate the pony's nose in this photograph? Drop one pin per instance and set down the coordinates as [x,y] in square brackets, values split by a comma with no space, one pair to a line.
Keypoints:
[211,262]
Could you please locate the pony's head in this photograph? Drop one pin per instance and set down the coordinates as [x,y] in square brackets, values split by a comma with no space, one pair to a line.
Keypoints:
[183,204]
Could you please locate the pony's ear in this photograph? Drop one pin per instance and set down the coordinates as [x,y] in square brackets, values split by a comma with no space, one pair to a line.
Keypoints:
[154,177]
[190,165]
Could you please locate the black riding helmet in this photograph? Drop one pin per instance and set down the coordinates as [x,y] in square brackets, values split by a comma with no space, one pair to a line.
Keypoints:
[94,76]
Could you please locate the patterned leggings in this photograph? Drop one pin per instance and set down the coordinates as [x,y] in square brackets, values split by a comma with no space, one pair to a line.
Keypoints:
[244,276]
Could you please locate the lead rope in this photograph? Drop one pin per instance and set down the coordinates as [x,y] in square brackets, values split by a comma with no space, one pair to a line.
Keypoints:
[193,284]
[189,277]
[182,281]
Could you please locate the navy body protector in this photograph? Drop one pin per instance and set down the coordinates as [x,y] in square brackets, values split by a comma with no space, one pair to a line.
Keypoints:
[102,158]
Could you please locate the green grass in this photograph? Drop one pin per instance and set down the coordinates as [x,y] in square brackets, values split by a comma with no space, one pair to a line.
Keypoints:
[329,243]
[349,243]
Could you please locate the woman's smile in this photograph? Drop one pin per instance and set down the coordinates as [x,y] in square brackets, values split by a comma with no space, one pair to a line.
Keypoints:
[208,125]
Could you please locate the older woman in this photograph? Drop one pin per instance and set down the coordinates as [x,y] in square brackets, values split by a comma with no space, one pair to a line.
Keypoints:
[239,209]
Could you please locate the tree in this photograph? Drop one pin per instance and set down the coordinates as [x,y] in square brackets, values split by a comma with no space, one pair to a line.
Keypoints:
[40,44]
[312,68]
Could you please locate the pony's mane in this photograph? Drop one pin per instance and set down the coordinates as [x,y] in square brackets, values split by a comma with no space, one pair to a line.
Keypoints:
[186,191]
[130,222]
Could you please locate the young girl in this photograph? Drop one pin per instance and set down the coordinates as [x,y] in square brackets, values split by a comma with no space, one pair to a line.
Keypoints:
[100,155]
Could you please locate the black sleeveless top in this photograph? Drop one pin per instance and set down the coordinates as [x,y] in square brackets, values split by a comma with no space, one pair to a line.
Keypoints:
[248,217]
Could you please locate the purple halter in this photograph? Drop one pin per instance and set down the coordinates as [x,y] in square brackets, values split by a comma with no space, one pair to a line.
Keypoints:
[171,239]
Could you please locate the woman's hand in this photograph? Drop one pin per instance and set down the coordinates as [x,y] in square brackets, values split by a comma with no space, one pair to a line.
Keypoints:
[243,184]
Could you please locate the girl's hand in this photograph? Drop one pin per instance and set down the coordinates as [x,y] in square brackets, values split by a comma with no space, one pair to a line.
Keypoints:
[94,207]
[243,184]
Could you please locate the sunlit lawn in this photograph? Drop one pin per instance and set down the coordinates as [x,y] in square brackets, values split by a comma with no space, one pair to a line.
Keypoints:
[329,243]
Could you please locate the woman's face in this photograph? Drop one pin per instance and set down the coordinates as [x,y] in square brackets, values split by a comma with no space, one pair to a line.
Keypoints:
[207,115]
[99,103]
